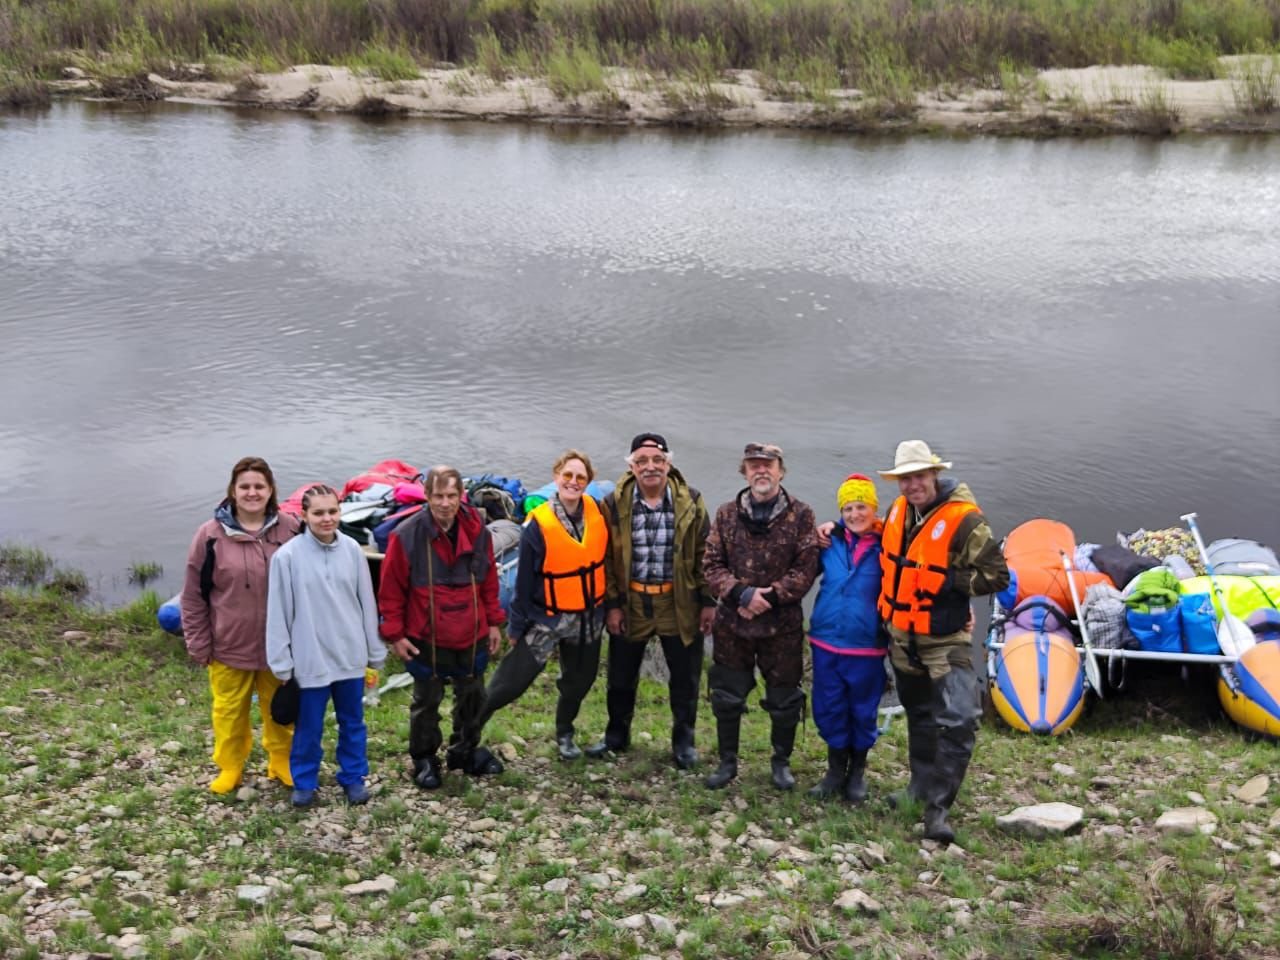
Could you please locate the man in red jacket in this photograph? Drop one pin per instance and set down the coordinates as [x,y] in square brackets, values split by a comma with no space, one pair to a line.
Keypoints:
[438,597]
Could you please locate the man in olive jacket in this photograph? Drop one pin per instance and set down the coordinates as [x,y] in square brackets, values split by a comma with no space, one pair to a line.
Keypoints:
[655,587]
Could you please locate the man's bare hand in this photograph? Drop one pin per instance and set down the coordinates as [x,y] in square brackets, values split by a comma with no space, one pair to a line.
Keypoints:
[615,621]
[404,649]
[758,604]
[495,640]
[706,619]
[824,533]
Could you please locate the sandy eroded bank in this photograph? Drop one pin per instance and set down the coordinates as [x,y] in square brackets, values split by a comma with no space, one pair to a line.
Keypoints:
[1081,101]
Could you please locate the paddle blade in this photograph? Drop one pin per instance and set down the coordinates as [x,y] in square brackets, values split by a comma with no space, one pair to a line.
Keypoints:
[1093,674]
[1234,635]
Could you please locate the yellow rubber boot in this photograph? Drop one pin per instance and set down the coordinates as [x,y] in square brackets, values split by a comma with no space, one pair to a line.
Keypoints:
[226,781]
[277,741]
[278,767]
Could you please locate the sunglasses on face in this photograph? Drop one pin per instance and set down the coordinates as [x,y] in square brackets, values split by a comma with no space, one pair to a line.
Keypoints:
[569,477]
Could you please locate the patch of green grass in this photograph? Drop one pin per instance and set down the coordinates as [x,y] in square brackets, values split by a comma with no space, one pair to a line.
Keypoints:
[21,565]
[574,70]
[1015,85]
[111,698]
[385,62]
[144,571]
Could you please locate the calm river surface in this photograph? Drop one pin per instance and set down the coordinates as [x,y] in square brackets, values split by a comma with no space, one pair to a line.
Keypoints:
[1088,329]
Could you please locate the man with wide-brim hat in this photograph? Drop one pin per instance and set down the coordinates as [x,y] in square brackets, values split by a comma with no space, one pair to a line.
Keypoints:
[938,553]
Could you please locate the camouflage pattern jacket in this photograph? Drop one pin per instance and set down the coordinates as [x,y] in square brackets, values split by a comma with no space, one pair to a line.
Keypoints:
[782,553]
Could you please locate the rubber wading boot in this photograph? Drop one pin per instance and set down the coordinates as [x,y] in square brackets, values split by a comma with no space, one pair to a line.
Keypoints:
[427,774]
[955,747]
[784,741]
[682,751]
[922,737]
[936,826]
[567,749]
[226,781]
[855,786]
[278,767]
[837,771]
[728,730]
[357,793]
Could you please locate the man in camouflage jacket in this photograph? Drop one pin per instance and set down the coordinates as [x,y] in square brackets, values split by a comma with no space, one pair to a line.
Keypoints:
[761,559]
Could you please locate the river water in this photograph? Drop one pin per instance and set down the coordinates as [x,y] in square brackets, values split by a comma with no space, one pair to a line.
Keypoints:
[1088,329]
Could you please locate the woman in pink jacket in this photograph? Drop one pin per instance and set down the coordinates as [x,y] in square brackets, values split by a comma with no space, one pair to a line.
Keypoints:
[224,619]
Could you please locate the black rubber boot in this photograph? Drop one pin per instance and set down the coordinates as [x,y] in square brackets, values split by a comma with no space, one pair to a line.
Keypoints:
[955,747]
[855,785]
[783,739]
[729,731]
[682,751]
[916,695]
[837,772]
[427,773]
[567,749]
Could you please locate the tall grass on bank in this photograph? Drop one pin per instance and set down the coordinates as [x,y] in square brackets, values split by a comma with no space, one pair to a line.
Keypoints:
[1255,86]
[30,568]
[926,41]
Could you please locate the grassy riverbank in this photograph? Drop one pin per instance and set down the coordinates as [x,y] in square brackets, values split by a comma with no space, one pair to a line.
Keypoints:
[889,51]
[109,841]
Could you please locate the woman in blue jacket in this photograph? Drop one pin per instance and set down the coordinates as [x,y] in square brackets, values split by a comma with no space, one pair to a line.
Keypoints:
[847,644]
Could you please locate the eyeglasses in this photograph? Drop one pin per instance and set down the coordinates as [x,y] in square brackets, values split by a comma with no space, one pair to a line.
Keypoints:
[656,461]
[569,476]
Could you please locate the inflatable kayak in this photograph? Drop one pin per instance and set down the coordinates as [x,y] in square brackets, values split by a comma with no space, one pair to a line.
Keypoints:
[1036,676]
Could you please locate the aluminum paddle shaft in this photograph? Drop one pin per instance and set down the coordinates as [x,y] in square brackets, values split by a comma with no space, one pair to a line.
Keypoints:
[1091,671]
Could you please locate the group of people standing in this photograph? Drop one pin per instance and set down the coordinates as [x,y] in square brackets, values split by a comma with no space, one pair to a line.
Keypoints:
[648,561]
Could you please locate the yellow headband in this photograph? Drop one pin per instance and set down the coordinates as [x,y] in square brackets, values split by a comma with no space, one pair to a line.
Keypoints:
[857,488]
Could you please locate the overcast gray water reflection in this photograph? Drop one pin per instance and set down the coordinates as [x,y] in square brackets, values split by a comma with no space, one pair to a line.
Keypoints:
[1088,329]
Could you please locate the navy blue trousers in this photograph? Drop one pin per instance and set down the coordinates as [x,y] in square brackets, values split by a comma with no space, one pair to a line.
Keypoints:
[352,755]
[846,696]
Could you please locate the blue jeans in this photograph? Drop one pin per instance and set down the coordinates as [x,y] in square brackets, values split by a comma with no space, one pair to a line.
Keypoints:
[348,707]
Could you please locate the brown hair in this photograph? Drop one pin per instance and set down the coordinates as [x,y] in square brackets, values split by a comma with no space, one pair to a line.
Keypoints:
[317,490]
[574,455]
[257,465]
[437,476]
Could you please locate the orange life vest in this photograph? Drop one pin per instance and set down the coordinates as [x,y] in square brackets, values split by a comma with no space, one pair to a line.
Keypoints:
[912,579]
[572,570]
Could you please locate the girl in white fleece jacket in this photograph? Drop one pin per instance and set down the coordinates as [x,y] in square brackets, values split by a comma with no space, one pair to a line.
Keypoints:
[322,632]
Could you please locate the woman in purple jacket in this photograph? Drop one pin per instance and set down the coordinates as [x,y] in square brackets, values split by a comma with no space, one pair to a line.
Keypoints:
[224,619]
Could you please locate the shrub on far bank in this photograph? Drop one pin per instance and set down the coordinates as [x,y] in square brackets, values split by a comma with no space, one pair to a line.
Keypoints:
[1183,58]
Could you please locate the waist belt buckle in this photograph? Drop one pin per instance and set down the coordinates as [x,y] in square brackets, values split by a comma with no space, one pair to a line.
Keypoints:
[650,588]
